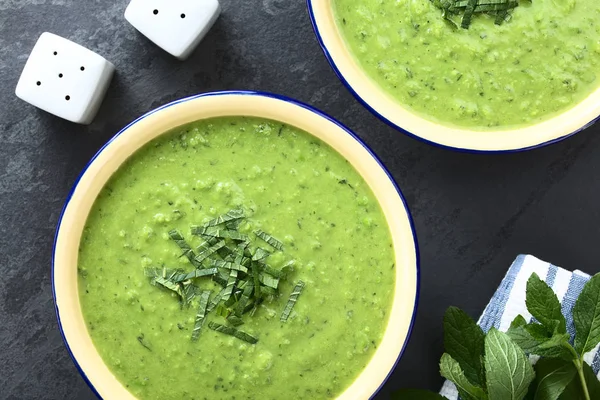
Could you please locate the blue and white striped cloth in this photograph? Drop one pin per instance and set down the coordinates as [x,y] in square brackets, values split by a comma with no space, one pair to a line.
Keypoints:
[509,301]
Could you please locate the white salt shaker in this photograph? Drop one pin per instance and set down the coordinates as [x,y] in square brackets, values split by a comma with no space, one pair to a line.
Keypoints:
[177,26]
[65,79]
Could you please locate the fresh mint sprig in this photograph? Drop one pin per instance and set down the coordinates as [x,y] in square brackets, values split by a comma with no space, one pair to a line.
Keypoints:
[495,366]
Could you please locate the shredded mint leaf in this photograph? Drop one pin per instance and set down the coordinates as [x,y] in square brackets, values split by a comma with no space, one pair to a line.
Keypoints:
[188,292]
[277,244]
[242,249]
[500,5]
[260,254]
[586,315]
[228,330]
[451,370]
[484,6]
[501,17]
[162,272]
[230,285]
[279,274]
[218,232]
[234,224]
[244,300]
[268,280]
[220,279]
[469,10]
[208,250]
[211,241]
[166,283]
[201,314]
[464,342]
[256,281]
[165,278]
[268,291]
[226,258]
[222,311]
[447,16]
[216,300]
[234,298]
[241,255]
[183,245]
[552,378]
[292,301]
[234,320]
[228,265]
[221,219]
[197,273]
[413,394]
[507,369]
[543,304]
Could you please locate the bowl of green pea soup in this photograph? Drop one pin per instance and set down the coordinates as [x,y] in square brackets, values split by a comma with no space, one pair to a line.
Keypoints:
[475,75]
[235,245]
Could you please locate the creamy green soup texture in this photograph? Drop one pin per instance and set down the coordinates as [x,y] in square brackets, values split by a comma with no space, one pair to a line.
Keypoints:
[291,185]
[545,59]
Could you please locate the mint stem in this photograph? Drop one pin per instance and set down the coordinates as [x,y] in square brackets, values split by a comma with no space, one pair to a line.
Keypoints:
[578,361]
[579,365]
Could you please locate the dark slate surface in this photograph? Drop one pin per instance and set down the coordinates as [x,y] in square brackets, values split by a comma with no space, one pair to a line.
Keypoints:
[473,213]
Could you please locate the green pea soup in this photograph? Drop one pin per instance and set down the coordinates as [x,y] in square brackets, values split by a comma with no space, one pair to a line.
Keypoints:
[541,62]
[289,184]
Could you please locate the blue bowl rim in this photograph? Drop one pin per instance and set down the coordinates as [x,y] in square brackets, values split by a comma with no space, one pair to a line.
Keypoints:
[381,117]
[245,93]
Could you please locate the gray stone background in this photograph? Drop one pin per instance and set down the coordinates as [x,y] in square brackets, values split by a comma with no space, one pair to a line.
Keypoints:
[473,213]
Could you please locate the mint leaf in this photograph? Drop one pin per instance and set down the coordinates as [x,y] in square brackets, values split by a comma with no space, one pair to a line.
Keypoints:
[507,369]
[552,377]
[543,304]
[415,394]
[517,322]
[572,391]
[534,339]
[586,315]
[523,339]
[451,370]
[464,341]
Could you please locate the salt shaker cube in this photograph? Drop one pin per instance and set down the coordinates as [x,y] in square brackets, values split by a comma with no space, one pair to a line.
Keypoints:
[177,26]
[65,79]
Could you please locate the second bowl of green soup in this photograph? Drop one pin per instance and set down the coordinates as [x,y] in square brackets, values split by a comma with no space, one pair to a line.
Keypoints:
[497,80]
[235,245]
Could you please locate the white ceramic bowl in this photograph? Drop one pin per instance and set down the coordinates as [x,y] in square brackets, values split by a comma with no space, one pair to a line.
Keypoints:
[389,110]
[157,122]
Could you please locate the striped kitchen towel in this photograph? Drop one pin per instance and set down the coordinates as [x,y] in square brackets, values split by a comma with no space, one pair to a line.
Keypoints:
[509,301]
